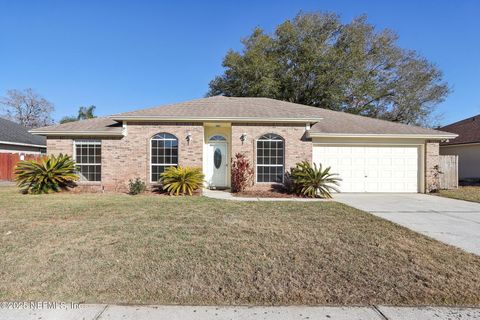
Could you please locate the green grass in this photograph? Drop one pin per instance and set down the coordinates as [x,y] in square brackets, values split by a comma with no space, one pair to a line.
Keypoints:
[150,249]
[471,193]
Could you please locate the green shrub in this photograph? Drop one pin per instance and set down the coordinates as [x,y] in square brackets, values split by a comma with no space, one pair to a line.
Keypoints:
[136,186]
[313,181]
[181,180]
[51,173]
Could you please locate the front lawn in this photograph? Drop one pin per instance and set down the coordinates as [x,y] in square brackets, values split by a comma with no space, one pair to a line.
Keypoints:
[471,193]
[114,248]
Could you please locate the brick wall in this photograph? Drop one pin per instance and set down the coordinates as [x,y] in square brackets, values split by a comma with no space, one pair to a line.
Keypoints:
[431,164]
[297,148]
[56,145]
[129,157]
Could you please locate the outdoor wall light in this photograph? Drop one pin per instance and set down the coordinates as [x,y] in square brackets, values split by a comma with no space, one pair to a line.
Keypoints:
[189,136]
[243,137]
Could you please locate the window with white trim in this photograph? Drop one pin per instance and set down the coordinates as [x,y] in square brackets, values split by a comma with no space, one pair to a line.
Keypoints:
[217,138]
[270,158]
[164,154]
[88,158]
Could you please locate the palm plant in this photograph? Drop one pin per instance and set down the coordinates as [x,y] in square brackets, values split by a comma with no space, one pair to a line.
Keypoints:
[181,180]
[51,173]
[314,181]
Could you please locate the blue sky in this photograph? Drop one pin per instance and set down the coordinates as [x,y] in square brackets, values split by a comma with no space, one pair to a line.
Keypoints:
[124,55]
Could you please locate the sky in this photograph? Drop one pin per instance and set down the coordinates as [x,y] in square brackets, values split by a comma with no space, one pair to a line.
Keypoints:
[127,55]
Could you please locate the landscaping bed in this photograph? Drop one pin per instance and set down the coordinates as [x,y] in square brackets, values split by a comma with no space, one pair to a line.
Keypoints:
[149,249]
[264,194]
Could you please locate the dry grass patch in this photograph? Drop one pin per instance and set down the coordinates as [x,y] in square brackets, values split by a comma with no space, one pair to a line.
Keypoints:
[115,248]
[470,193]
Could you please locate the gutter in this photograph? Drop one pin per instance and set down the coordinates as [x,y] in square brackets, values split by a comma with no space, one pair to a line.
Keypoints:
[23,144]
[373,135]
[213,119]
[77,133]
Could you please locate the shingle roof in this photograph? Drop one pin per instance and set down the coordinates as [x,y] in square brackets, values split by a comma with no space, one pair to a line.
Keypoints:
[229,108]
[96,125]
[250,109]
[16,133]
[346,123]
[468,131]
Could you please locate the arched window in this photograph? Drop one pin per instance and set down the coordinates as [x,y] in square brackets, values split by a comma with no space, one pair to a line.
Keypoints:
[164,154]
[270,158]
[217,138]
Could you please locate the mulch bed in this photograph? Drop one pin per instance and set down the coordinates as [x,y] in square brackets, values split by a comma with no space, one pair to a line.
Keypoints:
[264,194]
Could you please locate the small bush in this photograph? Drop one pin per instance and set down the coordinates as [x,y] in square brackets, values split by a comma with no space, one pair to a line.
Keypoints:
[52,173]
[181,180]
[136,186]
[288,183]
[242,173]
[313,181]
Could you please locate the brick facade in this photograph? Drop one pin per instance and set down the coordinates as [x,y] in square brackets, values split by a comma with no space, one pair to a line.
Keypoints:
[56,145]
[432,151]
[297,147]
[128,157]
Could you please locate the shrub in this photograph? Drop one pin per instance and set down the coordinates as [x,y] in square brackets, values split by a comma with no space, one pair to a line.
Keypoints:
[181,180]
[314,181]
[51,173]
[242,173]
[136,186]
[288,183]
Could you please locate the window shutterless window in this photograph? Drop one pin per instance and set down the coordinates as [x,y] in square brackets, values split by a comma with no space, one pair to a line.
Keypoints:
[163,154]
[270,158]
[88,157]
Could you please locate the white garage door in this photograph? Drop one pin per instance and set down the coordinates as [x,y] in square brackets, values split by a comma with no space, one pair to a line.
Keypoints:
[371,168]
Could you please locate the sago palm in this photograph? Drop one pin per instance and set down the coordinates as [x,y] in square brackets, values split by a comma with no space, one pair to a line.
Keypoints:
[181,180]
[314,181]
[51,173]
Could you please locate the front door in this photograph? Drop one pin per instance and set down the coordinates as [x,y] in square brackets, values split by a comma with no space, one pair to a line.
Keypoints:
[218,165]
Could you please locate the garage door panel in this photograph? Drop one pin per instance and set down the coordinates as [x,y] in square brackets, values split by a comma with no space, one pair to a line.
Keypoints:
[372,168]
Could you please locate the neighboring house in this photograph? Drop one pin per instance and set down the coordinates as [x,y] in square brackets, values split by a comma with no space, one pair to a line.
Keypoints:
[15,138]
[466,146]
[370,155]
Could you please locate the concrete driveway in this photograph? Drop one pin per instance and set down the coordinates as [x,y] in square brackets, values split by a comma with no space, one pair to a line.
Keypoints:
[451,221]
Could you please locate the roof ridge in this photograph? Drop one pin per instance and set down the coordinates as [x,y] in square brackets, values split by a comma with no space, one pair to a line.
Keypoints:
[169,105]
[466,120]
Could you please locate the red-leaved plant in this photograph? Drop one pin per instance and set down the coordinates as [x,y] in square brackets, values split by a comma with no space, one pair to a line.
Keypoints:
[242,173]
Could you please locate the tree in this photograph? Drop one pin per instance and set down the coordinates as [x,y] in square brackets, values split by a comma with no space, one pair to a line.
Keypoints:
[27,108]
[68,119]
[86,112]
[83,113]
[316,60]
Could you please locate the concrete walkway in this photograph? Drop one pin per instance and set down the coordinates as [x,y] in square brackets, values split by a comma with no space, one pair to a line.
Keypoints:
[451,221]
[113,312]
[227,195]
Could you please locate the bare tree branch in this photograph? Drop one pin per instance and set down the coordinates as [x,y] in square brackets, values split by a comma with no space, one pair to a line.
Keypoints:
[27,108]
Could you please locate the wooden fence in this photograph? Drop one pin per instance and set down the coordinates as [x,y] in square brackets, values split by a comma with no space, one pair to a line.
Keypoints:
[448,167]
[8,162]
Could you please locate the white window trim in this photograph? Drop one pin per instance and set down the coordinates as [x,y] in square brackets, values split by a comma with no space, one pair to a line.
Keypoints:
[87,142]
[269,165]
[162,164]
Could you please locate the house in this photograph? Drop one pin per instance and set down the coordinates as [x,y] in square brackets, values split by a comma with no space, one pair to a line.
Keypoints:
[15,138]
[370,155]
[466,146]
